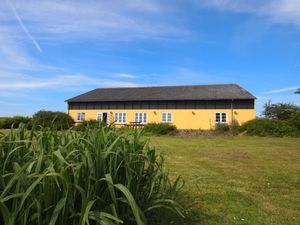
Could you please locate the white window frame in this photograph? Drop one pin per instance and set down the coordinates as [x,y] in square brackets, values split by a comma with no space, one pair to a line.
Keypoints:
[120,119]
[167,117]
[221,117]
[99,116]
[80,116]
[141,117]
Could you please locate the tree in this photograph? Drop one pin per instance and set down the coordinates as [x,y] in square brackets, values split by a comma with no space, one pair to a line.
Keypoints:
[297,91]
[281,111]
[58,120]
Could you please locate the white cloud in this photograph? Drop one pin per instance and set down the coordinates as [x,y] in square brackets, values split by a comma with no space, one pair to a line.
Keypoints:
[284,11]
[100,19]
[68,20]
[281,90]
[279,11]
[11,94]
[20,21]
[12,52]
[125,75]
[61,81]
[12,103]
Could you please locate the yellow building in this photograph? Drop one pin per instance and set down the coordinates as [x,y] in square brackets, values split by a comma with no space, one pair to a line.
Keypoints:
[187,107]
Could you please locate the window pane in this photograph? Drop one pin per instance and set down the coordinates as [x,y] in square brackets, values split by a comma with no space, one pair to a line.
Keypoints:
[218,117]
[145,118]
[163,117]
[224,117]
[136,117]
[116,117]
[83,116]
[124,117]
[169,117]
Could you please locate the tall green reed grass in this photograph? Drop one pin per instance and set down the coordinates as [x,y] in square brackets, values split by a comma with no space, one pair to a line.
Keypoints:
[96,176]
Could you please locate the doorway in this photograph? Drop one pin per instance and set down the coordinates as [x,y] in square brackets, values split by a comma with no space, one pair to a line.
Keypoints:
[105,118]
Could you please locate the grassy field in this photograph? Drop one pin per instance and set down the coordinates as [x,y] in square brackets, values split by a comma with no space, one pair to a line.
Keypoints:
[236,180]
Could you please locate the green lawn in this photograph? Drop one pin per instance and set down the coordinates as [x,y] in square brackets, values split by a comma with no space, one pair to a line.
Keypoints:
[236,180]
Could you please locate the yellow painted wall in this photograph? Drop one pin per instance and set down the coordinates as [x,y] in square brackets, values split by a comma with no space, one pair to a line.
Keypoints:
[182,118]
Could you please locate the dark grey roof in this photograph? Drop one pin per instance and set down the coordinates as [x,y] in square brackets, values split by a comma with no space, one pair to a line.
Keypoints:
[160,93]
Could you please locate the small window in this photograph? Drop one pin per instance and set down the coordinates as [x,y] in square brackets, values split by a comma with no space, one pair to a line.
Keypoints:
[166,117]
[99,116]
[221,118]
[140,117]
[81,116]
[120,117]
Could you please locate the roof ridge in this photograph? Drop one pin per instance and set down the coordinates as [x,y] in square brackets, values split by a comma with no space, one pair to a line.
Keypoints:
[164,86]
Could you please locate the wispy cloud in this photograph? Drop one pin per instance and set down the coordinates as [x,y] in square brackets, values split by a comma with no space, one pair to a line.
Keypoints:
[284,11]
[61,81]
[107,20]
[125,75]
[281,90]
[12,53]
[279,11]
[36,44]
[12,103]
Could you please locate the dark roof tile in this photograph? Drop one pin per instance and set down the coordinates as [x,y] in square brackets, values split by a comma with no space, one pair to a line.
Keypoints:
[161,93]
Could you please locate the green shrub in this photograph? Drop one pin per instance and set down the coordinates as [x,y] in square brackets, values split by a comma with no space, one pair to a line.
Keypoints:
[235,128]
[13,122]
[295,120]
[92,177]
[57,120]
[269,127]
[160,128]
[222,127]
[91,124]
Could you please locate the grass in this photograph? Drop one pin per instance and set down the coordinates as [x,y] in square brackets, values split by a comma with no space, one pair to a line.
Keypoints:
[236,180]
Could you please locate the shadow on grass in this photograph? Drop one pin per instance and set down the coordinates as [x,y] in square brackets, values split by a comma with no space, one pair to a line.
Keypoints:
[193,215]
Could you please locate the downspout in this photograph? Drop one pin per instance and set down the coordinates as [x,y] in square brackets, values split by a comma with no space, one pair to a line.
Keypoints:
[231,106]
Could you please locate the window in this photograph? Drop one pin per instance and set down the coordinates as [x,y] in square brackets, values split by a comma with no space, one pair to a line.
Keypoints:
[99,116]
[81,116]
[120,117]
[166,117]
[221,118]
[140,117]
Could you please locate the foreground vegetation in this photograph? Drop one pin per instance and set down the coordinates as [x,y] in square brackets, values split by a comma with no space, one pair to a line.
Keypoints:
[236,180]
[229,179]
[94,176]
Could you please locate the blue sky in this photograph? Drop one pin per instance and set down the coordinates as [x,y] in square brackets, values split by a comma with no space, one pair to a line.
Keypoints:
[52,50]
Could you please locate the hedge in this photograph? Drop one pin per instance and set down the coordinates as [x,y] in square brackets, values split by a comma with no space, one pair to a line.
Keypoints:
[160,128]
[270,127]
[13,122]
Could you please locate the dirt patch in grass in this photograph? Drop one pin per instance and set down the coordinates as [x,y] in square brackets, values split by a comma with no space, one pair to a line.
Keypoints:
[229,155]
[269,207]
